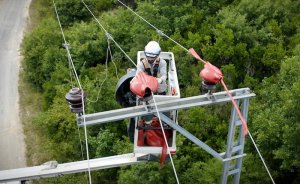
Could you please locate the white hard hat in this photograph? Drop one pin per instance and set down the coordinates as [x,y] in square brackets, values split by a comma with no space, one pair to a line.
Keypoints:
[152,49]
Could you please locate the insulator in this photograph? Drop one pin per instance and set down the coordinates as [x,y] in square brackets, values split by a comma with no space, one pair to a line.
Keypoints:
[208,86]
[74,98]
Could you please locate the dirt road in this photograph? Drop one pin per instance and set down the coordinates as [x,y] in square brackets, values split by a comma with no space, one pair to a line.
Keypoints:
[13,14]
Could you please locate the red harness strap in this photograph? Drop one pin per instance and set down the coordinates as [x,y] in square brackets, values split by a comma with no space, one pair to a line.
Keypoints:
[156,138]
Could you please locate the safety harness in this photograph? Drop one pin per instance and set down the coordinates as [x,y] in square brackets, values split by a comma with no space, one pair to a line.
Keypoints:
[147,67]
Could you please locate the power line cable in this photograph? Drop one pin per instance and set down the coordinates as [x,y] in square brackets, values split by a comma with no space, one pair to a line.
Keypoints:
[82,95]
[189,51]
[110,37]
[262,159]
[107,33]
[245,129]
[165,139]
[157,30]
[108,51]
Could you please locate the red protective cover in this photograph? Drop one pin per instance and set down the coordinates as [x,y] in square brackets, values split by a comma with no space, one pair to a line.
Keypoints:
[141,138]
[141,82]
[156,138]
[211,73]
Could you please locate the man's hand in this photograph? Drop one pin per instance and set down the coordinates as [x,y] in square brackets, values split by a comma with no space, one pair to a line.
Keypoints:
[159,80]
[146,64]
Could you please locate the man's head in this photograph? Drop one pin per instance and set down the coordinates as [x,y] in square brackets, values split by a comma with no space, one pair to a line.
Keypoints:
[152,51]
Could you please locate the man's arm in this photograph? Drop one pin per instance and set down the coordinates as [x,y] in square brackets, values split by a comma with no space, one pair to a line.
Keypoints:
[139,67]
[163,70]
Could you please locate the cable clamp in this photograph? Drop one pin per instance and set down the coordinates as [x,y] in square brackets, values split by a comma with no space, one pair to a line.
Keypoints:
[66,45]
[108,36]
[160,32]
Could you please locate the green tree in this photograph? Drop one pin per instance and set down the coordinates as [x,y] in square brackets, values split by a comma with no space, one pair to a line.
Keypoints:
[71,11]
[41,49]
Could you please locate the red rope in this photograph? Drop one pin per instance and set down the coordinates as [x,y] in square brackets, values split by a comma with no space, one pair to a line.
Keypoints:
[244,124]
[195,55]
[218,77]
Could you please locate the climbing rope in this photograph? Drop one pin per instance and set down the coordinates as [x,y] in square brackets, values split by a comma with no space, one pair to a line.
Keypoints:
[80,87]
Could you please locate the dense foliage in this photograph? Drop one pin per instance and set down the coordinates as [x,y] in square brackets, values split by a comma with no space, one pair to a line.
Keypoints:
[256,43]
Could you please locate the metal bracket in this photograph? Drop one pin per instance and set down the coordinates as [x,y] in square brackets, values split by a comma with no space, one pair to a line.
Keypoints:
[50,165]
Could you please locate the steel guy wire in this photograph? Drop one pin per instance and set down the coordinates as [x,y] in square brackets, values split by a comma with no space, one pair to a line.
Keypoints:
[82,97]
[165,139]
[106,33]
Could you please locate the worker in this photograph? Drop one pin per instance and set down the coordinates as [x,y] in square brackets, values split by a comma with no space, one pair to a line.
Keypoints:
[153,65]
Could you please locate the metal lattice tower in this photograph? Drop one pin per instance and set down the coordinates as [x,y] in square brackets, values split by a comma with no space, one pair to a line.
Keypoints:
[232,163]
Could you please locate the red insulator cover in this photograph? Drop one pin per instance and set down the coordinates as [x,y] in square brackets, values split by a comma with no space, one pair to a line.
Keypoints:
[141,82]
[211,73]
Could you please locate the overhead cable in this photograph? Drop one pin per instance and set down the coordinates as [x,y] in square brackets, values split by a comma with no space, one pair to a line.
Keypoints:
[191,52]
[165,139]
[262,159]
[109,36]
[107,33]
[157,30]
[82,95]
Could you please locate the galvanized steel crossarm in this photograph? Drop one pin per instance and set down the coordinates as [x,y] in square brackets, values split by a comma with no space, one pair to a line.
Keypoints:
[52,170]
[176,104]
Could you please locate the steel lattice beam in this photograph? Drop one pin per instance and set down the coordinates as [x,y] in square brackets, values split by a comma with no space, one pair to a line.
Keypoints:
[52,169]
[176,104]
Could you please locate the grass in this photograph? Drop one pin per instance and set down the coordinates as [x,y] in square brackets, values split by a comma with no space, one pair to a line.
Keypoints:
[38,10]
[30,107]
[30,98]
